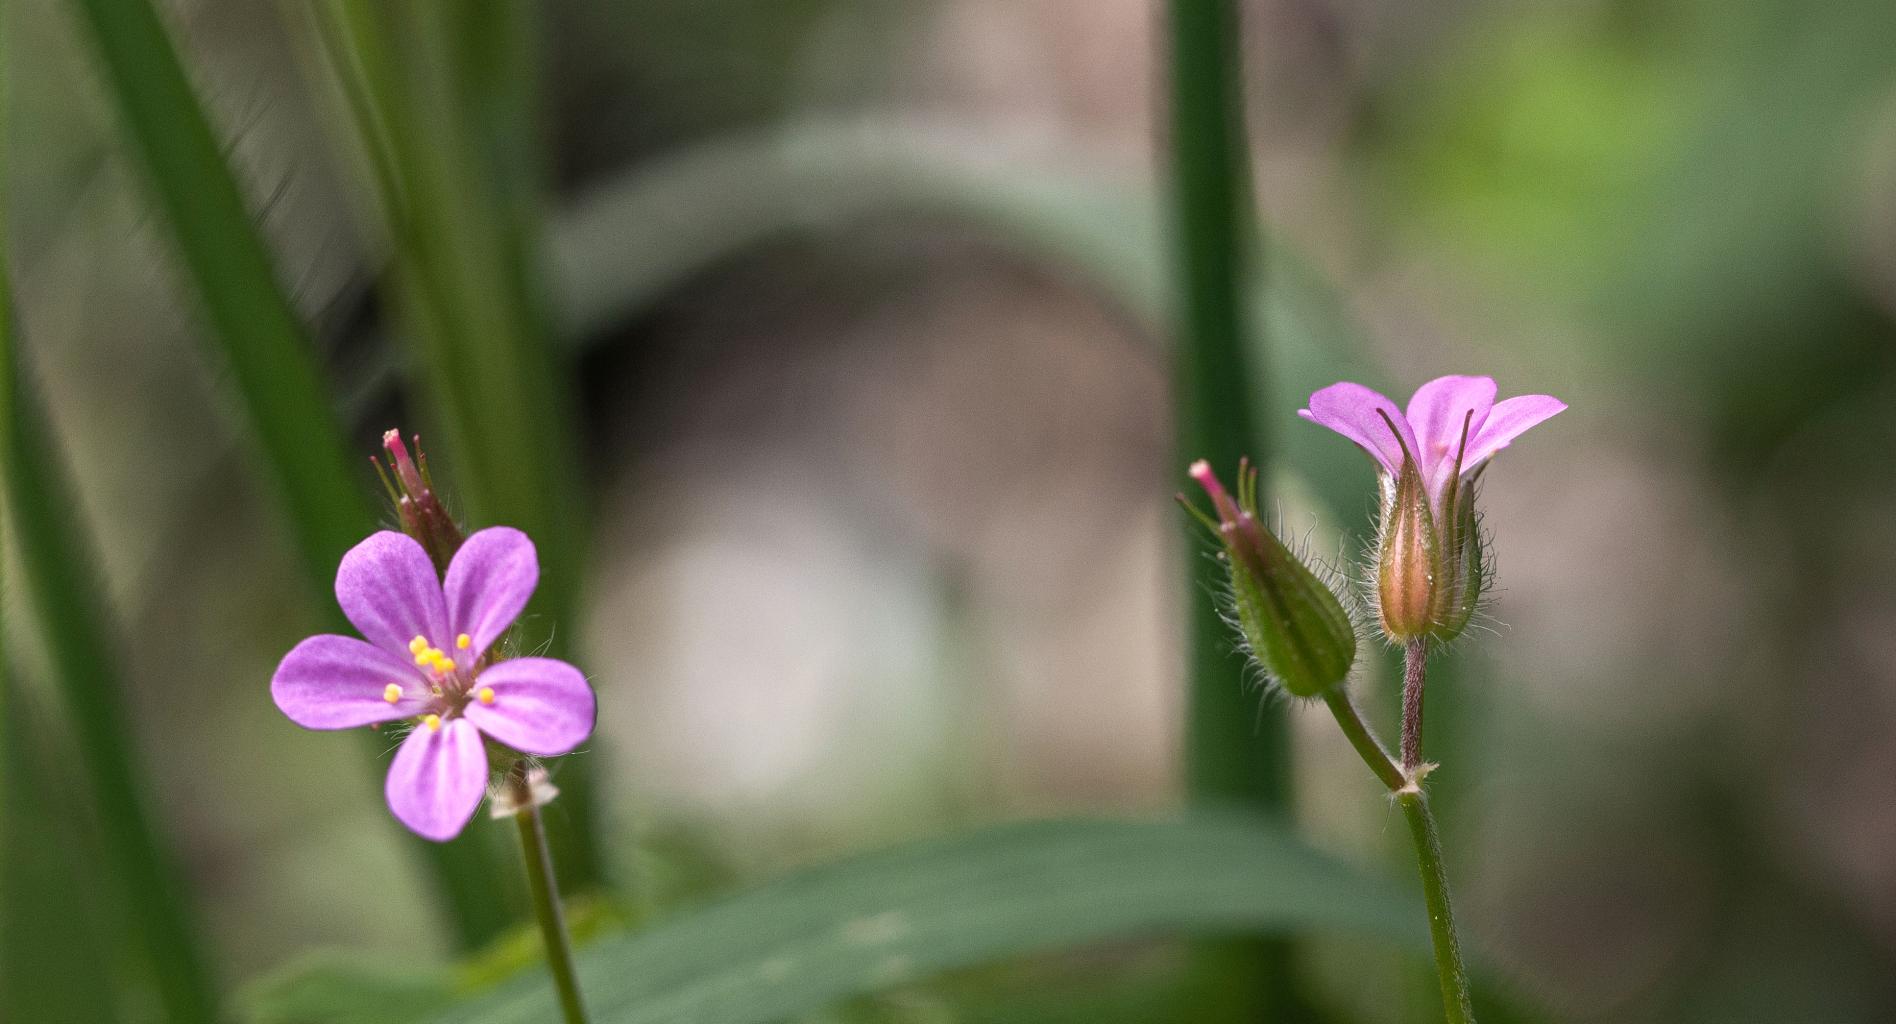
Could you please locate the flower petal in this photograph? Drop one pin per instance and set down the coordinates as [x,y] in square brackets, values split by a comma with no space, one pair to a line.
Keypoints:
[339,682]
[1509,420]
[1437,412]
[437,779]
[541,706]
[388,588]
[489,582]
[1352,410]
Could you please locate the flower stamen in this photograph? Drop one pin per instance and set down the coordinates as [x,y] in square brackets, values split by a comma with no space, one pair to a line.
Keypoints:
[433,722]
[463,642]
[486,695]
[392,692]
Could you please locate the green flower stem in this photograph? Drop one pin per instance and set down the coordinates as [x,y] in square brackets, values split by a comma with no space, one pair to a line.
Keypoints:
[546,898]
[1366,745]
[1407,788]
[1449,970]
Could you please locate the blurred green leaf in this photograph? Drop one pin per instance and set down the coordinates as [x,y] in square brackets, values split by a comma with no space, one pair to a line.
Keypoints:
[627,246]
[344,988]
[70,612]
[258,334]
[249,316]
[446,130]
[890,918]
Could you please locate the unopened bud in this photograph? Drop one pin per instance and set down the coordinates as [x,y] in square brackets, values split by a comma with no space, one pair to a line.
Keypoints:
[1463,560]
[412,492]
[1407,560]
[1293,624]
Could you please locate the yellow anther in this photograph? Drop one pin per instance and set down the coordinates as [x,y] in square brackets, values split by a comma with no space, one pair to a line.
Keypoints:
[392,692]
[464,641]
[486,695]
[418,644]
[433,722]
[425,656]
[442,663]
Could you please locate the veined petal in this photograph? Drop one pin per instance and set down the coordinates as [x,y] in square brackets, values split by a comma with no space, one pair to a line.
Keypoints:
[388,589]
[1509,420]
[489,582]
[1437,413]
[1353,411]
[540,706]
[339,682]
[437,779]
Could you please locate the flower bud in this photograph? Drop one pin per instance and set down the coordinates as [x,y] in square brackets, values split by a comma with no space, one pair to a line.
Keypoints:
[1407,558]
[1463,560]
[422,515]
[1292,623]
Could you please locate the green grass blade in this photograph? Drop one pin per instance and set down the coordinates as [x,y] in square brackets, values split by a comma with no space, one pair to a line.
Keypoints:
[1233,754]
[245,307]
[447,133]
[1237,749]
[70,614]
[258,334]
[891,918]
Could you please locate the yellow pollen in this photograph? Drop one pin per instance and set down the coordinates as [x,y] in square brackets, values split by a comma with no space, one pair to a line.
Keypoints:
[464,641]
[486,695]
[392,692]
[424,657]
[418,644]
[433,722]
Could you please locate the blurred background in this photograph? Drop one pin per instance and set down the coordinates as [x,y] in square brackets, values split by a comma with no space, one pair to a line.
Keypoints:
[861,310]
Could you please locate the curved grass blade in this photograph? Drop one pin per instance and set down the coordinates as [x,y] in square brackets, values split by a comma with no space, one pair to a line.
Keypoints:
[70,612]
[631,243]
[258,334]
[892,918]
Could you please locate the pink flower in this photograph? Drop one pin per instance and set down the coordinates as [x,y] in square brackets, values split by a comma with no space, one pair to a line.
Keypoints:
[427,659]
[1450,421]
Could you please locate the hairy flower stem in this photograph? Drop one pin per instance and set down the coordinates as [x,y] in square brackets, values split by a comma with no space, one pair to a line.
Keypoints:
[1415,657]
[1449,971]
[546,897]
[1407,789]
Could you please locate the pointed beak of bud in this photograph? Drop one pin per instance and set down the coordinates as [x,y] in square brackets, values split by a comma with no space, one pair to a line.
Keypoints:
[412,493]
[1407,562]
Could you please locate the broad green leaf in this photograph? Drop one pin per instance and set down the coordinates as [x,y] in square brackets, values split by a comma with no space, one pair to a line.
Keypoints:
[886,919]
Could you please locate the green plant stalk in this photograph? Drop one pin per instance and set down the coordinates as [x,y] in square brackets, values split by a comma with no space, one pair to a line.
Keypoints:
[444,133]
[1235,752]
[1450,971]
[545,891]
[70,611]
[1457,1007]
[260,337]
[1215,378]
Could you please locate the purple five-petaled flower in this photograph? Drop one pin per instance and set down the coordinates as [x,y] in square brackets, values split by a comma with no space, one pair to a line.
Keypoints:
[428,657]
[1450,421]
